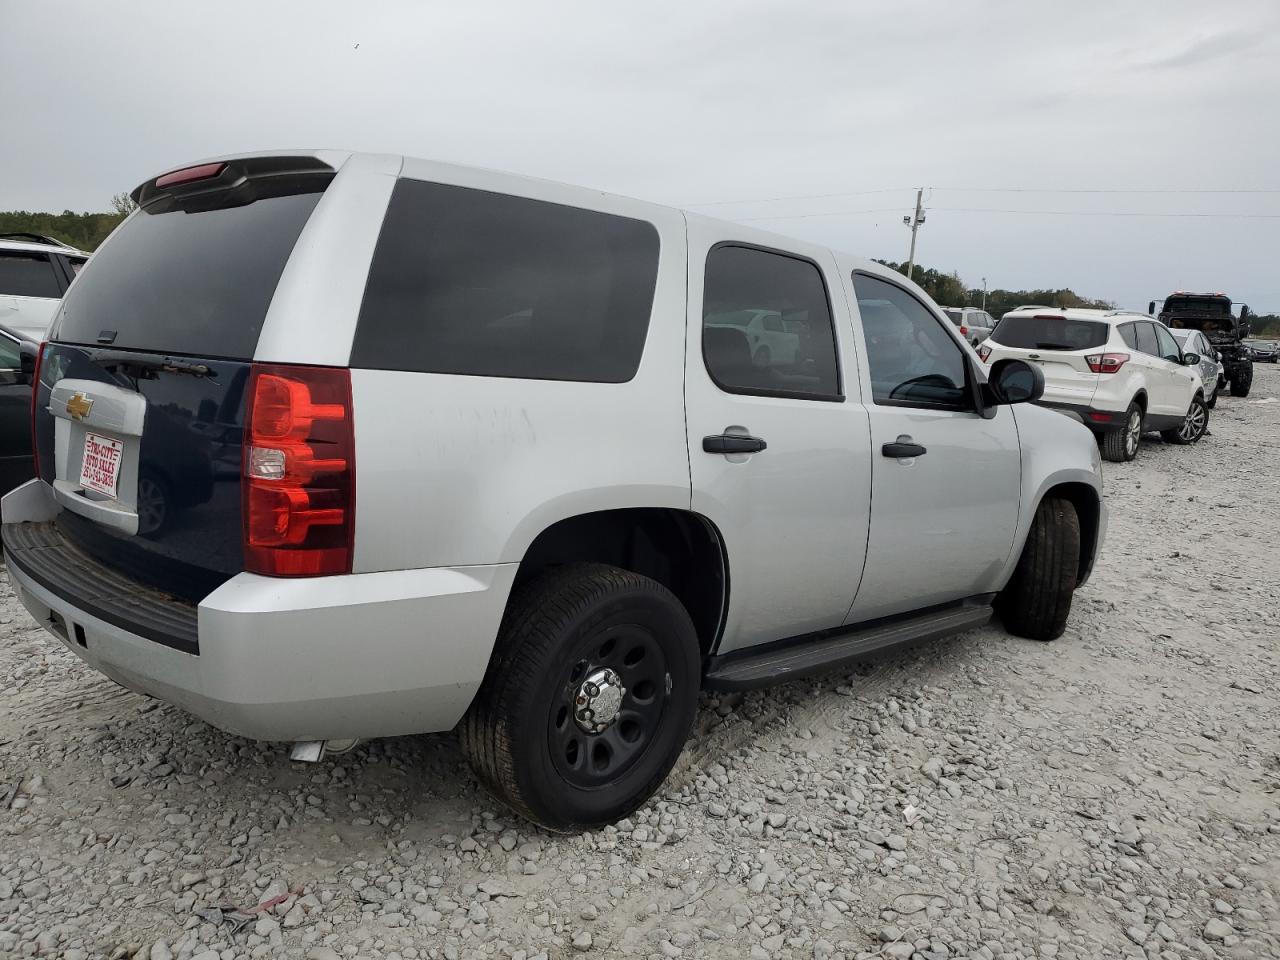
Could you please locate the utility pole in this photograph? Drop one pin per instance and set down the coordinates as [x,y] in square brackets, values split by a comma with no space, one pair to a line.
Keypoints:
[984,294]
[914,222]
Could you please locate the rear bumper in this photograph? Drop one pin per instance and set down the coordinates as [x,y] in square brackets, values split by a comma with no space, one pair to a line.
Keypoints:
[364,655]
[1095,418]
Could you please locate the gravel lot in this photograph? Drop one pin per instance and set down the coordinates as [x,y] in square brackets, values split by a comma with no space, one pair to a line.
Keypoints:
[1112,794]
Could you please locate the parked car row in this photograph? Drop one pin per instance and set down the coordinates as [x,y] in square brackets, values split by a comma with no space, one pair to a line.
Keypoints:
[608,454]
[1264,351]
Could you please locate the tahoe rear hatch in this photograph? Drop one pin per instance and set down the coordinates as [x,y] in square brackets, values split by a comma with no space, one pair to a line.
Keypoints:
[140,410]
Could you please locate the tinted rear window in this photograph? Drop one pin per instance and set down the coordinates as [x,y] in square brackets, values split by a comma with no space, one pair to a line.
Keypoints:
[27,275]
[1049,333]
[187,283]
[470,282]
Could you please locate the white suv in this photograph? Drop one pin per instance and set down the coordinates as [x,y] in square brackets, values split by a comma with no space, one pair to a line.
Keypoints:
[338,446]
[1120,373]
[35,272]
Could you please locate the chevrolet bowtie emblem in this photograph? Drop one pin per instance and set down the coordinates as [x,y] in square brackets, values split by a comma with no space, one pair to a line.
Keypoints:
[79,406]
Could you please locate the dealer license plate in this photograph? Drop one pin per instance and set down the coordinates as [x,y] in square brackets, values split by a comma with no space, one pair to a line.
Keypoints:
[100,468]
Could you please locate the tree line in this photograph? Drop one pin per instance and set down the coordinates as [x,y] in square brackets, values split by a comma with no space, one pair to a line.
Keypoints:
[85,231]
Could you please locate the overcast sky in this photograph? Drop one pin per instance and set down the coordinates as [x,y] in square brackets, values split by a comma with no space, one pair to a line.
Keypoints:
[693,103]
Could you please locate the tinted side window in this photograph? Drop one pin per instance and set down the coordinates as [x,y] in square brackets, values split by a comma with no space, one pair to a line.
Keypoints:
[470,282]
[1168,346]
[766,325]
[1129,333]
[913,360]
[28,275]
[1147,342]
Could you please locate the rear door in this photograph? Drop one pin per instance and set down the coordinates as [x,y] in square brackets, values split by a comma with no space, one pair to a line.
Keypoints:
[942,519]
[1163,389]
[1181,380]
[778,452]
[142,386]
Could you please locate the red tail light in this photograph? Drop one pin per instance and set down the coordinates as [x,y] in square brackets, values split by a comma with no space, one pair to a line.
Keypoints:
[299,471]
[983,352]
[964,331]
[35,402]
[1106,362]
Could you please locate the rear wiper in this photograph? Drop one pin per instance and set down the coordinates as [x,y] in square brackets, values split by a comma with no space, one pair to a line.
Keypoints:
[110,359]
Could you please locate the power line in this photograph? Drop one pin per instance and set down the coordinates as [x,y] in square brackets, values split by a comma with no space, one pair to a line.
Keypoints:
[804,216]
[1044,213]
[812,196]
[1111,213]
[1063,190]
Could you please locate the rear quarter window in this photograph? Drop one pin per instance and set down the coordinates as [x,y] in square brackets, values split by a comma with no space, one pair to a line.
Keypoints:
[465,281]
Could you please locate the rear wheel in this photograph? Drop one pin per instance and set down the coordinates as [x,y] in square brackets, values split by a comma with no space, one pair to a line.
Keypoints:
[1121,446]
[1194,426]
[588,699]
[1242,380]
[1037,601]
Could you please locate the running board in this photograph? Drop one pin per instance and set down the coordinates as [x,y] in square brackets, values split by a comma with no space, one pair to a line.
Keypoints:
[789,660]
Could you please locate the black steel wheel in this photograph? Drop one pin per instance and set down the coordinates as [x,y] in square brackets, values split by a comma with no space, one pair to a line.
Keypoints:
[588,698]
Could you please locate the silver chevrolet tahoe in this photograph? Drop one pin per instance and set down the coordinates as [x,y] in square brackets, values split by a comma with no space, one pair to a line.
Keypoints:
[334,446]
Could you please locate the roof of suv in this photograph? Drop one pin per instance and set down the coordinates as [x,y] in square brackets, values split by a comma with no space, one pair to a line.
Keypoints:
[32,243]
[1080,313]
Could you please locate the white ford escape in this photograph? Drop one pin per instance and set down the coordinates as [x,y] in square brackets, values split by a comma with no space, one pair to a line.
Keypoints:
[336,446]
[1120,373]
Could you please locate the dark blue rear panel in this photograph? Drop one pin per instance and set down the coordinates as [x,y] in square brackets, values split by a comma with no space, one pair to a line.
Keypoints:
[188,498]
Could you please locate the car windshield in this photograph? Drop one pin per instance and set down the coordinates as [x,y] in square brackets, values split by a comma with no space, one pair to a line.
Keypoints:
[1200,306]
[1049,333]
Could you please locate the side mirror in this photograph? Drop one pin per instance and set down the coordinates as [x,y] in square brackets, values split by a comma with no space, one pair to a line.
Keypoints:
[1014,381]
[1190,359]
[1151,307]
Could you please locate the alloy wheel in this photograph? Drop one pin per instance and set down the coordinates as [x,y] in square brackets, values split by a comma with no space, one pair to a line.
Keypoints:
[1193,426]
[1132,433]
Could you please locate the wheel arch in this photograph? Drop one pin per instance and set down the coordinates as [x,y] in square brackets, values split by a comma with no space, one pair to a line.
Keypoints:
[682,550]
[1088,506]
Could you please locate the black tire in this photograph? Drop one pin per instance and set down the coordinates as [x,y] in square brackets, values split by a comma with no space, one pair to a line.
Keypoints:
[563,628]
[762,357]
[1121,446]
[1242,381]
[154,506]
[1194,426]
[1037,601]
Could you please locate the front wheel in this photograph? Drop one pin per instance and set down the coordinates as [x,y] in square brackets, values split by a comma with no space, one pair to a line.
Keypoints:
[588,699]
[1121,446]
[1194,426]
[1037,601]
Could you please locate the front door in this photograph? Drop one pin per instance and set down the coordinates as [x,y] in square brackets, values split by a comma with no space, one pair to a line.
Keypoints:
[945,481]
[778,444]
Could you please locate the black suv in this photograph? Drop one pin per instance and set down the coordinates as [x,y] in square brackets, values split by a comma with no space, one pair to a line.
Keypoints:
[1211,314]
